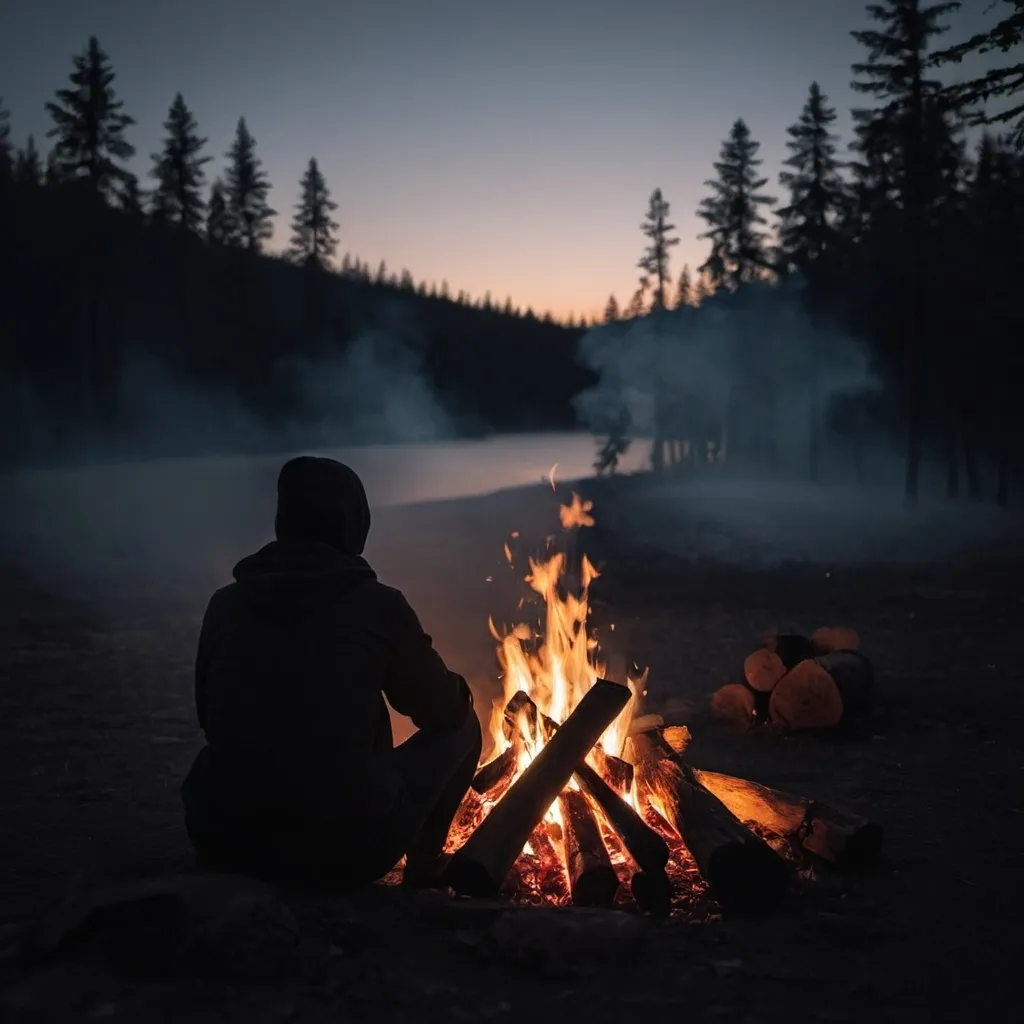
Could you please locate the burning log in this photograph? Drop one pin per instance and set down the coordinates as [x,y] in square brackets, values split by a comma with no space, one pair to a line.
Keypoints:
[763,669]
[644,845]
[832,833]
[742,870]
[592,879]
[495,771]
[618,773]
[645,723]
[734,703]
[642,842]
[521,703]
[480,866]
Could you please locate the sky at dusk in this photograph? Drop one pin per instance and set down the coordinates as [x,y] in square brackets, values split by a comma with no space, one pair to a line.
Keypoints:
[502,145]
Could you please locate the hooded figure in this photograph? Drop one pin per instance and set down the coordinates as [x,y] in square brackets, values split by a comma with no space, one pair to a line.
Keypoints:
[299,776]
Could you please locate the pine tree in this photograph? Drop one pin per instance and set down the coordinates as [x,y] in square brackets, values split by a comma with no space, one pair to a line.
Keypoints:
[508,309]
[6,148]
[997,82]
[28,169]
[178,170]
[313,239]
[816,187]
[684,290]
[611,310]
[637,304]
[89,127]
[739,251]
[654,261]
[219,229]
[895,73]
[382,273]
[52,175]
[445,292]
[406,282]
[246,191]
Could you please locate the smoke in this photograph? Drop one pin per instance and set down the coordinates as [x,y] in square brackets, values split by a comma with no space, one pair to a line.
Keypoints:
[375,392]
[747,372]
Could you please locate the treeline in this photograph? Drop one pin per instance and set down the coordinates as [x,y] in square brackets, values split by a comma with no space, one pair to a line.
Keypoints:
[100,271]
[913,241]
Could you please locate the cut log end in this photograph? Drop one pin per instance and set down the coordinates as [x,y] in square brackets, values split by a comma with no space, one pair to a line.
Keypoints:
[592,879]
[763,669]
[652,892]
[806,698]
[734,704]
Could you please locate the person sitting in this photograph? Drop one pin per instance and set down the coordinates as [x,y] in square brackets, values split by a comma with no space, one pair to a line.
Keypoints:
[299,778]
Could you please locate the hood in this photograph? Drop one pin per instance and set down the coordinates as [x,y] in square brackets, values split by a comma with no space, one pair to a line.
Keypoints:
[287,578]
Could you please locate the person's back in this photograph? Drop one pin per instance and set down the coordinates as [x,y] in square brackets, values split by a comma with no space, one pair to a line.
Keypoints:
[299,774]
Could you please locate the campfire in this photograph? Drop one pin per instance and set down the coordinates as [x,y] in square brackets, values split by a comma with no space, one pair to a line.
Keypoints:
[587,801]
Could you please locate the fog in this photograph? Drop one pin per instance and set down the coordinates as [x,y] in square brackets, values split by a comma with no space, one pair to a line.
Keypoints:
[746,372]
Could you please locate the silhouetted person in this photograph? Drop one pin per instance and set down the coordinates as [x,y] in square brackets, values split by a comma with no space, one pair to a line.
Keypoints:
[299,777]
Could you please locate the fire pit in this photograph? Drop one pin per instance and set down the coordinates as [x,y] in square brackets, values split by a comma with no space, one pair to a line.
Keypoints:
[590,803]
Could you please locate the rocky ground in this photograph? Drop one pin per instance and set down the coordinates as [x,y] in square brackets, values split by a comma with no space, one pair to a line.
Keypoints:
[97,730]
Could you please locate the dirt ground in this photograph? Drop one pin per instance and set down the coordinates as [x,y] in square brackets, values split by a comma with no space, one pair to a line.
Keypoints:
[97,730]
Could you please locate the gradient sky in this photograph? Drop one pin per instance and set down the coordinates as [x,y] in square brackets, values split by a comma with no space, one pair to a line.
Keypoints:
[503,145]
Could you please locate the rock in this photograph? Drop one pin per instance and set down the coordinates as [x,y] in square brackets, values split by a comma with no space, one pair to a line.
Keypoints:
[219,926]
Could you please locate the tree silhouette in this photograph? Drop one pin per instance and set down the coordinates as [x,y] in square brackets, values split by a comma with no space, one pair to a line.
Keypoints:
[611,310]
[996,83]
[654,261]
[684,290]
[894,138]
[313,238]
[739,251]
[815,184]
[89,127]
[219,230]
[28,169]
[178,170]
[246,190]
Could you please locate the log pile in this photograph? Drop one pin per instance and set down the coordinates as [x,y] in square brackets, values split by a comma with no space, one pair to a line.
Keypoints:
[618,821]
[800,683]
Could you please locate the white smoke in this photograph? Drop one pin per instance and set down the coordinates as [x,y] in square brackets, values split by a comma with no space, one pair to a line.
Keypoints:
[747,369]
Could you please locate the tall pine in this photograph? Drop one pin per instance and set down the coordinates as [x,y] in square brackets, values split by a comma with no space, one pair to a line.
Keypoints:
[28,168]
[218,220]
[611,310]
[807,223]
[654,261]
[684,289]
[893,137]
[89,128]
[999,83]
[739,245]
[178,170]
[249,223]
[313,231]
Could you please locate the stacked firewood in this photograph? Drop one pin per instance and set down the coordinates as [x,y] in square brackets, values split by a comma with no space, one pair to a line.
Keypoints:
[798,683]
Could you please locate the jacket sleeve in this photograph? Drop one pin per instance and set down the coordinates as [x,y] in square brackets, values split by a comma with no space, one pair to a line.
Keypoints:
[204,652]
[418,683]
